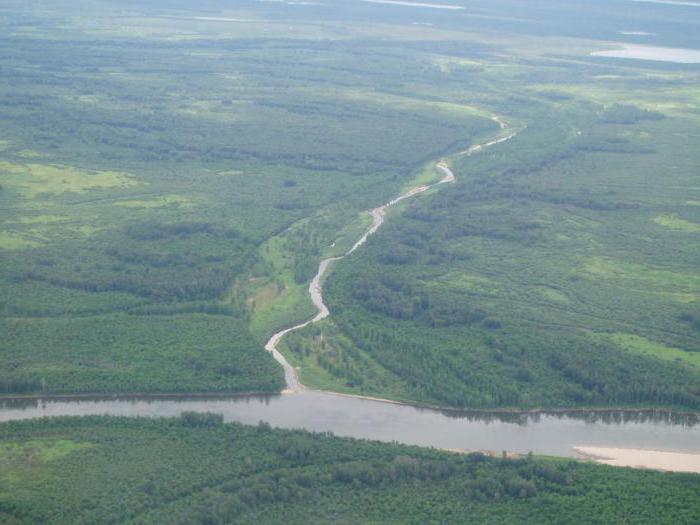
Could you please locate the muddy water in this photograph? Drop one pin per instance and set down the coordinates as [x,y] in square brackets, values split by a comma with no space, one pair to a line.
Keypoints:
[363,418]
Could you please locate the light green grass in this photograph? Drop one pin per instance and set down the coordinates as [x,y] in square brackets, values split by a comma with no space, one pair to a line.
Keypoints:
[43,219]
[429,174]
[673,222]
[349,235]
[15,241]
[324,339]
[32,179]
[467,282]
[15,454]
[30,154]
[158,202]
[613,269]
[552,294]
[641,345]
[405,103]
[289,304]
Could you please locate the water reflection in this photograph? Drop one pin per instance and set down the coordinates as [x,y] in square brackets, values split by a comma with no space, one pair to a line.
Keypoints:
[546,432]
[604,416]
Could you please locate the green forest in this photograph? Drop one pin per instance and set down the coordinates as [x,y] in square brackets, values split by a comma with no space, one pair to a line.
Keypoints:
[505,291]
[173,172]
[147,186]
[171,175]
[196,470]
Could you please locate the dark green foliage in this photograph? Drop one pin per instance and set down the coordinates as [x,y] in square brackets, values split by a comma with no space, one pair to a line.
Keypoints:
[486,294]
[222,155]
[196,470]
[624,114]
[198,419]
[116,353]
[176,261]
[246,150]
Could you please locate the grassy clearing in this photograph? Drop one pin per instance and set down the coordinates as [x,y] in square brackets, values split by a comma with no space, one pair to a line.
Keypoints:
[471,283]
[674,222]
[278,305]
[641,345]
[158,202]
[43,219]
[14,455]
[551,294]
[348,235]
[14,241]
[277,300]
[669,280]
[328,360]
[428,174]
[32,180]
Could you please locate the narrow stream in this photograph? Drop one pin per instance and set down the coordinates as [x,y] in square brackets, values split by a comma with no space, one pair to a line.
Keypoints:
[378,214]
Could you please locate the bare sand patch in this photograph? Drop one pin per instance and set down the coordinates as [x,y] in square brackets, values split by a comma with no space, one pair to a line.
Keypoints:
[638,458]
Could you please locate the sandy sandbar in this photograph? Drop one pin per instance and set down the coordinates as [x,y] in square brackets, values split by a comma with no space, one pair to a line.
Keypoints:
[638,458]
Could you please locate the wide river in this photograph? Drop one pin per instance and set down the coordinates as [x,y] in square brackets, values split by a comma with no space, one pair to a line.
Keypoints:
[554,434]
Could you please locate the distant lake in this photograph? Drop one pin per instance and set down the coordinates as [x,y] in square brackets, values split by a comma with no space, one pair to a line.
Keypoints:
[416,4]
[671,2]
[660,54]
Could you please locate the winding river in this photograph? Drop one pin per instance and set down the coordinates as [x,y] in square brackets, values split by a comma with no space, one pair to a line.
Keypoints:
[639,434]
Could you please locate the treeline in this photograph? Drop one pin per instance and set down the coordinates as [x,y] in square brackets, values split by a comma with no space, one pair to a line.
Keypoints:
[20,386]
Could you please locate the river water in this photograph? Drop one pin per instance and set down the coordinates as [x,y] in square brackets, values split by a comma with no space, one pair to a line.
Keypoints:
[552,434]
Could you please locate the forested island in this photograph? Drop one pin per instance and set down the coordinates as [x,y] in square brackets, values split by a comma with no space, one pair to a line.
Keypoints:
[195,469]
